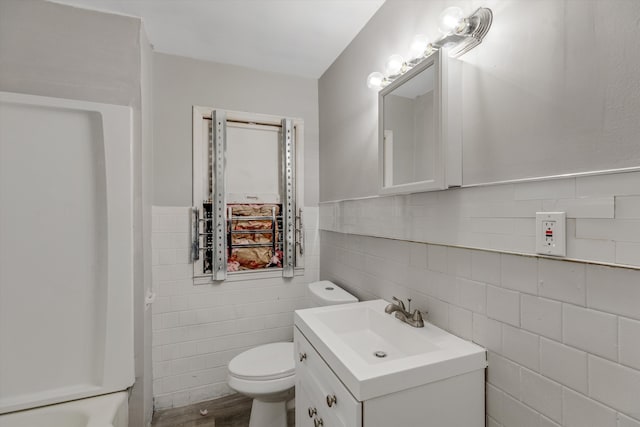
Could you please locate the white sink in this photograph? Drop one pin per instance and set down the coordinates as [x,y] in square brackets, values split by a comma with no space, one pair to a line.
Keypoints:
[367,331]
[374,353]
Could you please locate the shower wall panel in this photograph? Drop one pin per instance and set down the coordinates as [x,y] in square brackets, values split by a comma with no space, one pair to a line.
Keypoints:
[65,250]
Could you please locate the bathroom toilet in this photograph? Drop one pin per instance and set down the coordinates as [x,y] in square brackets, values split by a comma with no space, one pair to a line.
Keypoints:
[267,373]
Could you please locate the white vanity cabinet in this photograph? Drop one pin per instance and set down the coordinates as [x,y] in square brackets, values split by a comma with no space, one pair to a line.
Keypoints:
[338,385]
[321,399]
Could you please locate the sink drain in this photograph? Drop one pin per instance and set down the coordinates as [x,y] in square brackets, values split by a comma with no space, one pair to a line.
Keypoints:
[380,354]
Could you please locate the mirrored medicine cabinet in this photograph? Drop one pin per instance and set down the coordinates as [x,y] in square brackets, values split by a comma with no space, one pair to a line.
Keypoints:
[419,128]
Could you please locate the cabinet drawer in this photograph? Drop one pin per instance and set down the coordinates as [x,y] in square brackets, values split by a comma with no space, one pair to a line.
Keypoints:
[327,393]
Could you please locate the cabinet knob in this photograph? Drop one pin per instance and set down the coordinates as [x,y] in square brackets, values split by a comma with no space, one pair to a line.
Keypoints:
[318,422]
[303,356]
[312,412]
[331,400]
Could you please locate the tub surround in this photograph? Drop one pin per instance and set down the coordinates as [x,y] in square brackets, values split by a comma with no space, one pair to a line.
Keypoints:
[70,336]
[55,50]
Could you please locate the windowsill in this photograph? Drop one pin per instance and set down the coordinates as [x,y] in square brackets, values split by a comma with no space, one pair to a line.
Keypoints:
[240,276]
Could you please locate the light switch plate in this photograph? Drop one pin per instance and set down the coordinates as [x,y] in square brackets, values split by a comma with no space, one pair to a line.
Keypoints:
[551,235]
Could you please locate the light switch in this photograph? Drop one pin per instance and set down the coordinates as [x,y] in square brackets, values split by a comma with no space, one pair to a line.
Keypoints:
[551,236]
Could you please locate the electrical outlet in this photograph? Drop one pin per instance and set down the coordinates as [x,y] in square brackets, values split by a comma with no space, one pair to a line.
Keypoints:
[551,236]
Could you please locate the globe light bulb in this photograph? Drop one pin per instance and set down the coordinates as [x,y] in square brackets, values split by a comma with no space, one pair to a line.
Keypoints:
[374,80]
[450,20]
[419,46]
[394,65]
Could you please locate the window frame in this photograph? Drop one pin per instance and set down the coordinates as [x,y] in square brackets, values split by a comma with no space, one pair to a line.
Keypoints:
[200,144]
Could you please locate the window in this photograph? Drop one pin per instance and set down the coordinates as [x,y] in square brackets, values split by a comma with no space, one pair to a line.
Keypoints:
[247,171]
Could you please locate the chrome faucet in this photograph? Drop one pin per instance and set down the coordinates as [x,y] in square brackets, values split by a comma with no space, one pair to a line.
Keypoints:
[414,319]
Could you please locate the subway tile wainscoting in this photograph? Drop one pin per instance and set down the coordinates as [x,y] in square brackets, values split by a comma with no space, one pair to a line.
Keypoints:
[563,336]
[603,216]
[551,358]
[197,330]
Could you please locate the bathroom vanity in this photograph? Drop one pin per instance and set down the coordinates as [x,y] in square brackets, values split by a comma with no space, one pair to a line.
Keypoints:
[358,366]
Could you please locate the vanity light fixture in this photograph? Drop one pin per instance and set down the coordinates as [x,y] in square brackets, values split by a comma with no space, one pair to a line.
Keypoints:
[450,20]
[419,48]
[394,65]
[375,79]
[460,35]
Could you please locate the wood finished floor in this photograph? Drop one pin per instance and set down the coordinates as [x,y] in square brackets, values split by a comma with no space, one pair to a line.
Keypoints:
[229,411]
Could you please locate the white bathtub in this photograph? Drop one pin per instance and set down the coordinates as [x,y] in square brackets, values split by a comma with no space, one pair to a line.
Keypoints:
[109,410]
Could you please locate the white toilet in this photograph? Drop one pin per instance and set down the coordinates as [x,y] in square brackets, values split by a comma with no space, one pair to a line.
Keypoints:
[267,373]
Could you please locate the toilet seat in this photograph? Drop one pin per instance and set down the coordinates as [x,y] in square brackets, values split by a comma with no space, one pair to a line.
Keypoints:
[264,363]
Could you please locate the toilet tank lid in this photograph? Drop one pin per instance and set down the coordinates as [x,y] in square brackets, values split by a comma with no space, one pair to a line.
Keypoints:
[330,292]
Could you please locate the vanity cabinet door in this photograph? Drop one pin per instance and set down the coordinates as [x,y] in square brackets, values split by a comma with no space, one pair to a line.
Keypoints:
[306,408]
[332,399]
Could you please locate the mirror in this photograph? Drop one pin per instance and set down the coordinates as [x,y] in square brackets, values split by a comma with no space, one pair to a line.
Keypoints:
[413,147]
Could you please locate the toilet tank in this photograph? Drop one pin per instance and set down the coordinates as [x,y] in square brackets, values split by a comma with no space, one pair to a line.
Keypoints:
[325,292]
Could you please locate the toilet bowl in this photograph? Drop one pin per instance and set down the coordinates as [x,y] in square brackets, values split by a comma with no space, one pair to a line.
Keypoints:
[267,373]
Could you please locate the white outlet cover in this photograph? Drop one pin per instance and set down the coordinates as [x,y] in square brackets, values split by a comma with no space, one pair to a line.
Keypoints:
[551,235]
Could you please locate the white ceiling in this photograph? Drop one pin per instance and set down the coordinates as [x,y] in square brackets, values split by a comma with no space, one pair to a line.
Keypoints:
[298,37]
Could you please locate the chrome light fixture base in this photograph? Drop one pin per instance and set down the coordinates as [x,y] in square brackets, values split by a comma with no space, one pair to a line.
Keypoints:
[469,34]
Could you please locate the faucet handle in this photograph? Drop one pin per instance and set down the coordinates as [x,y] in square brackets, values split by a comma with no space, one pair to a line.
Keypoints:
[400,303]
[417,318]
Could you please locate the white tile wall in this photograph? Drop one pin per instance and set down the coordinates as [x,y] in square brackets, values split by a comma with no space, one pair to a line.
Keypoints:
[197,330]
[521,346]
[615,385]
[590,330]
[563,336]
[471,295]
[564,364]
[504,374]
[580,411]
[542,316]
[629,336]
[603,218]
[503,305]
[546,422]
[563,281]
[627,422]
[613,290]
[542,394]
[520,273]
[517,414]
[564,353]
[487,332]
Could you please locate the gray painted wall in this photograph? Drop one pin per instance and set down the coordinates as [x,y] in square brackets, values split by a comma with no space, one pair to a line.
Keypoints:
[180,83]
[553,89]
[55,50]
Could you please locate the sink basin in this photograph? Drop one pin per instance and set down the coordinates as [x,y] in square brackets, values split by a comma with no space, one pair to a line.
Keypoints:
[374,353]
[371,335]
